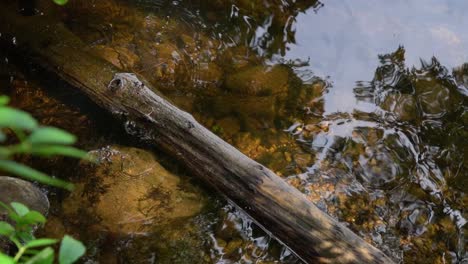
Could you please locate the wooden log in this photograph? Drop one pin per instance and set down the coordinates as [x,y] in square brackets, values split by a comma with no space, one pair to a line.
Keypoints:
[275,205]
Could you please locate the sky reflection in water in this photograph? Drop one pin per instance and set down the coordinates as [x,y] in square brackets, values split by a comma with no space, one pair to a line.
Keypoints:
[343,38]
[342,41]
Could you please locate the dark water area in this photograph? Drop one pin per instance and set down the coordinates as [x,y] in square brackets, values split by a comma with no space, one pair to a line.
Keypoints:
[360,105]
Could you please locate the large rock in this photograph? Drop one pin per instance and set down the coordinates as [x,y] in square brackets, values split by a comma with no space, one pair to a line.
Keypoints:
[129,192]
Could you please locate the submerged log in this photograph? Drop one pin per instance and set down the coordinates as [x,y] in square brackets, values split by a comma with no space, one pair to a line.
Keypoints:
[275,205]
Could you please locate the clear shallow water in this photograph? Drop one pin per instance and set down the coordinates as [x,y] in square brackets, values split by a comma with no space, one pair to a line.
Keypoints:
[361,105]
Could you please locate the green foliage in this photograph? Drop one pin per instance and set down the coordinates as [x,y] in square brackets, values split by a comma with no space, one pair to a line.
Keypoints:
[16,119]
[32,139]
[29,249]
[70,250]
[61,2]
[51,135]
[32,174]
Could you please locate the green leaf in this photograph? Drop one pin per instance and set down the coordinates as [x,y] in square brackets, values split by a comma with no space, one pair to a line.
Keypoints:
[4,259]
[26,234]
[12,118]
[6,229]
[5,151]
[2,136]
[20,208]
[31,252]
[61,2]
[32,174]
[70,250]
[58,150]
[46,256]
[41,242]
[32,218]
[11,213]
[4,100]
[51,135]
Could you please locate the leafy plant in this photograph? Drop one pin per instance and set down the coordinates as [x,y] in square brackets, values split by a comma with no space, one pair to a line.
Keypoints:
[29,249]
[32,139]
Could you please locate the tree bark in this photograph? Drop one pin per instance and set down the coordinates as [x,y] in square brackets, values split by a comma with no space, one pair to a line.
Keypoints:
[275,205]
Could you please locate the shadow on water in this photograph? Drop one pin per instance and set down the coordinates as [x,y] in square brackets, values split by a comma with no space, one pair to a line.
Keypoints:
[376,141]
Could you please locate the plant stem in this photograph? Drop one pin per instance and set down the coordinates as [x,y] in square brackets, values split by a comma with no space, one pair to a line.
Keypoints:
[17,243]
[19,254]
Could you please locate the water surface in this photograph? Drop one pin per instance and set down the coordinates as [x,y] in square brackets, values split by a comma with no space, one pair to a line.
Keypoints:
[360,105]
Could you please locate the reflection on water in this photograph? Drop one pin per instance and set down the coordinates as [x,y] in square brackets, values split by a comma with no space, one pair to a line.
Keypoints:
[344,38]
[361,105]
[406,158]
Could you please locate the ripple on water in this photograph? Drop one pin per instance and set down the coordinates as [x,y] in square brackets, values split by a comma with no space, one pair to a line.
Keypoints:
[400,158]
[387,157]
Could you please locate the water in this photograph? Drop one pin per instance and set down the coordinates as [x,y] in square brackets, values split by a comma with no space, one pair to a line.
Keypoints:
[360,105]
[344,38]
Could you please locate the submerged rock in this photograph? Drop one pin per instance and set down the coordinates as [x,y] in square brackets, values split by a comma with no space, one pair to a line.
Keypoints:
[130,192]
[259,80]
